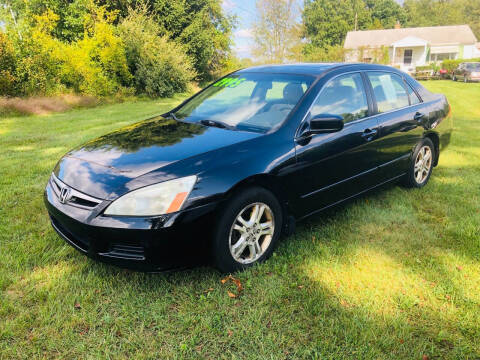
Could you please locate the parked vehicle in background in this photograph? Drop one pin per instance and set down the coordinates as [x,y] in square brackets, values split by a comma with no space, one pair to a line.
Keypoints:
[222,175]
[467,71]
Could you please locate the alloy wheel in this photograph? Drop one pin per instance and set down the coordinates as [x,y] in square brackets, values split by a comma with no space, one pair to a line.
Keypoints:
[423,164]
[251,233]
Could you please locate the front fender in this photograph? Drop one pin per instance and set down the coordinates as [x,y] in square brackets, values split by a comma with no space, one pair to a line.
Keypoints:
[242,165]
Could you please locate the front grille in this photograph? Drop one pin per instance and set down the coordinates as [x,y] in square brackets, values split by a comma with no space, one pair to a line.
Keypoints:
[76,197]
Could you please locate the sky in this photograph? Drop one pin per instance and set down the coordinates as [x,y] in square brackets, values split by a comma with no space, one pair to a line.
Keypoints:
[243,36]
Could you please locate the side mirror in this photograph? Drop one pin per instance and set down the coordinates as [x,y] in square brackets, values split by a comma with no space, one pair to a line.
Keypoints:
[326,123]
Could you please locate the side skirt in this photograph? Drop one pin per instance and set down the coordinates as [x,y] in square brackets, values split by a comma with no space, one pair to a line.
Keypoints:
[351,197]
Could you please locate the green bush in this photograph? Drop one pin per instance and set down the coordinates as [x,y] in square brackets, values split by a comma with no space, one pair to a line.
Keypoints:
[163,69]
[451,65]
[7,66]
[160,66]
[423,68]
[38,66]
[97,64]
[109,58]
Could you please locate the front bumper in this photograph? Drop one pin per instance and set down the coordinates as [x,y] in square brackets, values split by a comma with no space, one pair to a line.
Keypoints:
[139,243]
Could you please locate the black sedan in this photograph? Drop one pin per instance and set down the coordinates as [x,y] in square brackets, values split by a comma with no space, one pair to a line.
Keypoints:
[222,175]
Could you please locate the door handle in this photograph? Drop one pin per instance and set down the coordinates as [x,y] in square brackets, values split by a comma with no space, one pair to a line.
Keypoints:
[418,117]
[369,134]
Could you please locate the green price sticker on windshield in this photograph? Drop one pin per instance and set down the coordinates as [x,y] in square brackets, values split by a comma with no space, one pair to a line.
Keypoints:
[230,82]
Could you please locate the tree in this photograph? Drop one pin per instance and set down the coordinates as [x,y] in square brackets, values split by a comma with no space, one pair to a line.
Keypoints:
[276,31]
[385,13]
[159,65]
[7,66]
[443,12]
[201,27]
[334,53]
[432,12]
[71,15]
[327,22]
[472,15]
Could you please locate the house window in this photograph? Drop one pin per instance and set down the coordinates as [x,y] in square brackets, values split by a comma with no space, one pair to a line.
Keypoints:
[407,56]
[443,56]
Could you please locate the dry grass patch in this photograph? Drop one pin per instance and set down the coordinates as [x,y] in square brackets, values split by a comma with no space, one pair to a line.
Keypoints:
[45,105]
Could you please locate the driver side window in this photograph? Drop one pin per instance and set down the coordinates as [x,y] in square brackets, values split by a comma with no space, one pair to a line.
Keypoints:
[345,96]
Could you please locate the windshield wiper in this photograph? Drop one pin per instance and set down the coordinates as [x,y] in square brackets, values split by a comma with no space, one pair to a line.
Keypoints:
[217,123]
[172,115]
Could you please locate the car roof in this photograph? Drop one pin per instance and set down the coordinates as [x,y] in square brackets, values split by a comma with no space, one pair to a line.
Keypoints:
[313,68]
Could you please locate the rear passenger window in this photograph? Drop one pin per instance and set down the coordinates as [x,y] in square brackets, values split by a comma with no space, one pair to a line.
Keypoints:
[412,95]
[389,91]
[345,96]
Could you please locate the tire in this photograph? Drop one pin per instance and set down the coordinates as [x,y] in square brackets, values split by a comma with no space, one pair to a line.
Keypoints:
[257,247]
[454,78]
[465,79]
[413,178]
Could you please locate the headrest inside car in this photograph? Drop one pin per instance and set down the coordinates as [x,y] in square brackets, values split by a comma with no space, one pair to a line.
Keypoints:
[292,93]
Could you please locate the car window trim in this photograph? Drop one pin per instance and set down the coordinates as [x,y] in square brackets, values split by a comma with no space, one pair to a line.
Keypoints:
[414,90]
[401,108]
[403,85]
[304,119]
[373,115]
[408,86]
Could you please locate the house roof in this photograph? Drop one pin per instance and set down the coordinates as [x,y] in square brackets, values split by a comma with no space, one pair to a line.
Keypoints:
[433,35]
[410,41]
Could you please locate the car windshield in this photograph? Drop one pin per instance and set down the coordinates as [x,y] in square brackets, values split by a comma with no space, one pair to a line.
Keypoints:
[473,66]
[246,101]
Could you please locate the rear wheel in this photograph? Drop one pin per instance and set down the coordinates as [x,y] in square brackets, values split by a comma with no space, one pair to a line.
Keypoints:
[248,230]
[421,165]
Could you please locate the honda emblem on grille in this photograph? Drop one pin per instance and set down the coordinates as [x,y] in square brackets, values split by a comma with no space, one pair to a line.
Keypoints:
[65,194]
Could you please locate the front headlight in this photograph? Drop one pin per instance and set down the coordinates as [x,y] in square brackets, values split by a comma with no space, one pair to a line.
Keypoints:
[157,199]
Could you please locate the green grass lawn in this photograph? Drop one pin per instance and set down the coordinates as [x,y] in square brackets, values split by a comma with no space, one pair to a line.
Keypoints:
[392,275]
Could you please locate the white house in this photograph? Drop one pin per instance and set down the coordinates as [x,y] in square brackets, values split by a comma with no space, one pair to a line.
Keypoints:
[411,47]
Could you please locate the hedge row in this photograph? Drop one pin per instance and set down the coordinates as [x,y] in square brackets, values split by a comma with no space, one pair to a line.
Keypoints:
[128,57]
[451,65]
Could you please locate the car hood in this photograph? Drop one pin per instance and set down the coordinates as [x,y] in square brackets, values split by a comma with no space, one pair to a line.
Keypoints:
[103,167]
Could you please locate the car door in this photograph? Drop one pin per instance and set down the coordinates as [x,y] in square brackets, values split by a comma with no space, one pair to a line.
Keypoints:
[400,119]
[335,166]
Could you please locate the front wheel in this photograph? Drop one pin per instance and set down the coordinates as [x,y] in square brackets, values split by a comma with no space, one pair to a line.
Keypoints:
[421,165]
[248,230]
[454,78]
